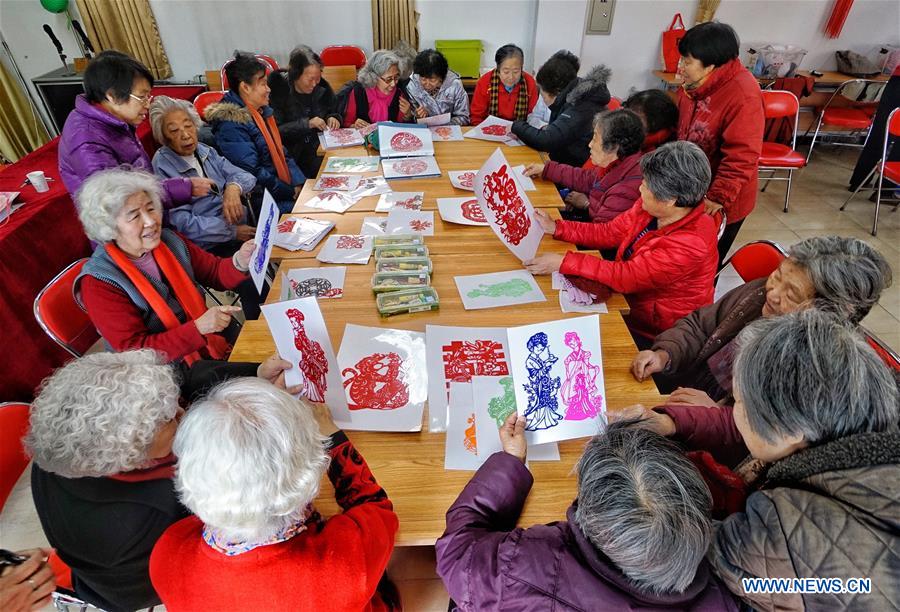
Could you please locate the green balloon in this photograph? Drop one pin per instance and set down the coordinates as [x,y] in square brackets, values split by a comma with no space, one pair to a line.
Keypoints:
[55,6]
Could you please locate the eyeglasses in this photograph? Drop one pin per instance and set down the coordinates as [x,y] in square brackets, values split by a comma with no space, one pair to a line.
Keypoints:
[144,100]
[390,80]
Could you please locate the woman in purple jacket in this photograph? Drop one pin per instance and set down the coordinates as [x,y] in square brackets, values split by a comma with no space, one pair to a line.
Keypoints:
[635,537]
[100,132]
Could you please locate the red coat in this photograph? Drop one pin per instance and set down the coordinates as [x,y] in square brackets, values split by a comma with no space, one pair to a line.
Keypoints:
[122,324]
[724,117]
[506,102]
[669,274]
[332,565]
[610,193]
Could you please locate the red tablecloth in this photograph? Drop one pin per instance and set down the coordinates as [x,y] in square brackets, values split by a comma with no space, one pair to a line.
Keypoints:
[39,240]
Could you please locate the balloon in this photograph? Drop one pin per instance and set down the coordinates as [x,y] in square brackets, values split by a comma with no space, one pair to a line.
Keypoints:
[55,6]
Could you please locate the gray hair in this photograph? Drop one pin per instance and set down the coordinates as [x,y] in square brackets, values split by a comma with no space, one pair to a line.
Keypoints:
[250,458]
[407,56]
[677,171]
[99,414]
[848,274]
[162,106]
[645,506]
[808,373]
[380,62]
[621,130]
[104,193]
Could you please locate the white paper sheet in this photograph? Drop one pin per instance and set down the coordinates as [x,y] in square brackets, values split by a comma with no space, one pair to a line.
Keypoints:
[463,179]
[297,232]
[498,289]
[558,369]
[337,182]
[265,240]
[410,200]
[343,165]
[410,167]
[404,141]
[492,128]
[446,133]
[461,447]
[402,221]
[525,181]
[458,354]
[373,226]
[340,138]
[507,208]
[384,380]
[334,201]
[369,186]
[465,211]
[301,337]
[567,305]
[346,249]
[435,120]
[323,282]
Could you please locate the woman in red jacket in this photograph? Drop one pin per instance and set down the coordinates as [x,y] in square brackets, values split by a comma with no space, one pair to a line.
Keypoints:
[720,110]
[250,460]
[666,256]
[507,91]
[141,288]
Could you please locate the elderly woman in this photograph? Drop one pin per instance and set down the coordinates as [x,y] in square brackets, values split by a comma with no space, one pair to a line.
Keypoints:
[247,135]
[601,196]
[375,96]
[573,103]
[101,436]
[434,89]
[250,459]
[142,288]
[635,536]
[304,106]
[507,91]
[842,275]
[720,109]
[100,132]
[216,222]
[658,113]
[666,244]
[817,405]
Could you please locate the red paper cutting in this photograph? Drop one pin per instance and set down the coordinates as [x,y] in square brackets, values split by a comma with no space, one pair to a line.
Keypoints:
[313,362]
[472,211]
[405,142]
[501,193]
[375,382]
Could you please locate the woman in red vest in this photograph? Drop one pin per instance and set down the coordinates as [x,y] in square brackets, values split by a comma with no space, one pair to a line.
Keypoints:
[507,91]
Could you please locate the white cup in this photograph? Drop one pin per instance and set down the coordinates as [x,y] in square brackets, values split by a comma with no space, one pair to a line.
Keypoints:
[38,181]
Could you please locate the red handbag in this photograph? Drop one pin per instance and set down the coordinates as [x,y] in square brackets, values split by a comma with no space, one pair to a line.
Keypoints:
[670,39]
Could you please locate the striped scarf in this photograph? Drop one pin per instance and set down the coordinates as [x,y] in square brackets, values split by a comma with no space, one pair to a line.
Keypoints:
[521,101]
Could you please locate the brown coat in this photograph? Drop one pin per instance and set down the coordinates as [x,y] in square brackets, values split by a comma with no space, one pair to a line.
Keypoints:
[830,511]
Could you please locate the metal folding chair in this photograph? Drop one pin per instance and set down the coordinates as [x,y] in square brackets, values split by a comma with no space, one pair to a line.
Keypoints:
[855,119]
[776,157]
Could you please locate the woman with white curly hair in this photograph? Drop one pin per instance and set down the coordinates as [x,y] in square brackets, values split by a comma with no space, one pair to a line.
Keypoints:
[250,460]
[101,431]
[375,96]
[142,287]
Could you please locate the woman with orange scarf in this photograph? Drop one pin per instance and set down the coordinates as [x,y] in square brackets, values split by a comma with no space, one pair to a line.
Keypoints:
[142,288]
[247,135]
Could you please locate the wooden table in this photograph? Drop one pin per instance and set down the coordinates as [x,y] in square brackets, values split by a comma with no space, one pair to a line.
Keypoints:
[828,80]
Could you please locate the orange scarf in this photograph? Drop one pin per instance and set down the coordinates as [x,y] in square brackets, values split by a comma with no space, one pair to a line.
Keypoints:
[269,130]
[185,292]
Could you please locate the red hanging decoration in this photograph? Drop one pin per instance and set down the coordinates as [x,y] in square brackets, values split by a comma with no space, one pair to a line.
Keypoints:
[838,17]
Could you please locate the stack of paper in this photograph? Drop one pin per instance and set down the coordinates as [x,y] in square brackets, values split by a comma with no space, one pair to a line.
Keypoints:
[301,233]
[340,138]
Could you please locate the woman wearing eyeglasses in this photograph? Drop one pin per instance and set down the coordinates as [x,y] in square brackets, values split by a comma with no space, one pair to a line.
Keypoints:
[375,95]
[100,132]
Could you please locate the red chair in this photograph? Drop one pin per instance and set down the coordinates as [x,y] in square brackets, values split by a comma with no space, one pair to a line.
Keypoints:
[271,66]
[854,119]
[757,259]
[61,317]
[614,103]
[885,169]
[776,157]
[889,355]
[343,55]
[205,99]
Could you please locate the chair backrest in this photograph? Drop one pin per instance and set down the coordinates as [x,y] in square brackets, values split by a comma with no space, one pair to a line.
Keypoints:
[337,76]
[891,131]
[889,355]
[205,99]
[757,259]
[61,317]
[614,103]
[13,460]
[271,65]
[778,103]
[841,91]
[343,55]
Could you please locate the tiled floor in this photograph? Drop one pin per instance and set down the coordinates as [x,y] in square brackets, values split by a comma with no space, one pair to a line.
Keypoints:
[818,192]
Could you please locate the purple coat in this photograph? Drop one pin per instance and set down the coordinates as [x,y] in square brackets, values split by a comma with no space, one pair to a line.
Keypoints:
[489,564]
[93,140]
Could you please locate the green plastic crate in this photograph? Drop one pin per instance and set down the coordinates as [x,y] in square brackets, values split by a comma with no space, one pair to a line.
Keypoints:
[464,56]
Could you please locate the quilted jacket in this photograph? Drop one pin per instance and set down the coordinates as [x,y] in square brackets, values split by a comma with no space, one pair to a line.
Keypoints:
[829,511]
[610,194]
[669,274]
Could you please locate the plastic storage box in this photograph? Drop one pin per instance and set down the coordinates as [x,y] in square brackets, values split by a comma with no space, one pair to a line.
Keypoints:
[409,300]
[395,281]
[775,61]
[464,56]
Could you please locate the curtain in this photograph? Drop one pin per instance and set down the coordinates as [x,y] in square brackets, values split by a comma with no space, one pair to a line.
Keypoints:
[706,10]
[128,26]
[21,130]
[393,21]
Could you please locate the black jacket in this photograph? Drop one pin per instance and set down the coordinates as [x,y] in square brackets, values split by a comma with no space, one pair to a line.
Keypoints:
[567,136]
[293,111]
[105,529]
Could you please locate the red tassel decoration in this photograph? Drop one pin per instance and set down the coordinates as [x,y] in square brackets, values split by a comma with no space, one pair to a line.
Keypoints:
[838,17]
